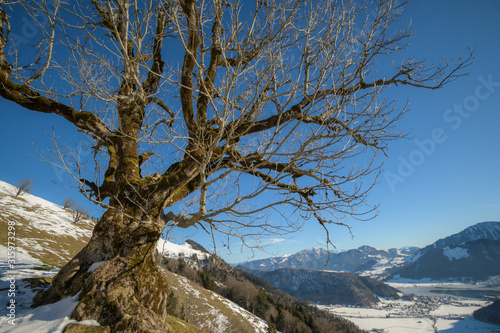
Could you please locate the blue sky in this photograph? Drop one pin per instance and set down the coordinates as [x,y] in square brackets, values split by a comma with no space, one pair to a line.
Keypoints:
[443,179]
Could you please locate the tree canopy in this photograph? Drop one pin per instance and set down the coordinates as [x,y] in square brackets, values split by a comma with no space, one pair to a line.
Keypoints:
[241,98]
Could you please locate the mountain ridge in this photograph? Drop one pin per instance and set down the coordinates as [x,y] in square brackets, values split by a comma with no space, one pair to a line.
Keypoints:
[384,264]
[481,230]
[367,260]
[326,287]
[475,261]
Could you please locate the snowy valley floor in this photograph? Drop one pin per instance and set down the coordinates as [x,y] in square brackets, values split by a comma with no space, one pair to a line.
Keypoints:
[429,312]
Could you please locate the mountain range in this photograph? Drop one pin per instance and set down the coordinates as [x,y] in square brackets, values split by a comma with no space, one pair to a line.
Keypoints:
[365,260]
[473,253]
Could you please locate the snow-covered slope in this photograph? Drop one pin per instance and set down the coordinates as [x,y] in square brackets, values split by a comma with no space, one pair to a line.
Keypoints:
[484,230]
[175,251]
[43,229]
[210,311]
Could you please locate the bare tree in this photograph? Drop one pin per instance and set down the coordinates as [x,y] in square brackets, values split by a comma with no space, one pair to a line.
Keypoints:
[24,186]
[69,203]
[243,293]
[79,213]
[275,106]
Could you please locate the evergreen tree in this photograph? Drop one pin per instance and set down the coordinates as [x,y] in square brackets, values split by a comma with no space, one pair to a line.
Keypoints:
[280,320]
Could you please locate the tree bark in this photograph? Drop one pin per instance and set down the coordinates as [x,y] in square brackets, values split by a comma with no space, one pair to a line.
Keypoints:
[127,292]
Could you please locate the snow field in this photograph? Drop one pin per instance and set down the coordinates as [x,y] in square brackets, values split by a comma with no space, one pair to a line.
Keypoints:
[51,318]
[396,316]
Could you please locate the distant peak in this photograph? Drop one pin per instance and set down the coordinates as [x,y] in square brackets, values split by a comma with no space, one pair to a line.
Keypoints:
[196,246]
[367,248]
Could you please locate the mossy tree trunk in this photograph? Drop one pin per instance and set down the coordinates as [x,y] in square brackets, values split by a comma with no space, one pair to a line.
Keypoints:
[127,292]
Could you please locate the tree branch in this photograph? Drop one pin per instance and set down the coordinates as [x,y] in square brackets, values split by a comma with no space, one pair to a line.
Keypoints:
[207,86]
[30,99]
[186,90]
[296,112]
[154,75]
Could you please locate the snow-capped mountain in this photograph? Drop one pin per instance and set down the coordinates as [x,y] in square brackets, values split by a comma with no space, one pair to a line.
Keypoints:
[476,260]
[314,258]
[484,230]
[471,253]
[365,260]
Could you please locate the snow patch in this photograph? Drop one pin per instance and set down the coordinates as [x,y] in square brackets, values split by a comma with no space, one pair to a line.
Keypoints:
[417,256]
[174,251]
[94,266]
[51,318]
[455,253]
[42,214]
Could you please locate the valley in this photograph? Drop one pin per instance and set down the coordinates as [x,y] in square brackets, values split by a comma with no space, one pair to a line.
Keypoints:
[433,307]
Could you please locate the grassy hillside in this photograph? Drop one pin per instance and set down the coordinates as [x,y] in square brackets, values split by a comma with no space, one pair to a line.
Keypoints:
[43,229]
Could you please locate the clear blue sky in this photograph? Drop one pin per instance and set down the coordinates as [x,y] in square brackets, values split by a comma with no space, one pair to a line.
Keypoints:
[444,179]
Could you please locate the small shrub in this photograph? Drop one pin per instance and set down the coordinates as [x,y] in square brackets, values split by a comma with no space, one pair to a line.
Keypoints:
[24,186]
[69,203]
[79,214]
[172,301]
